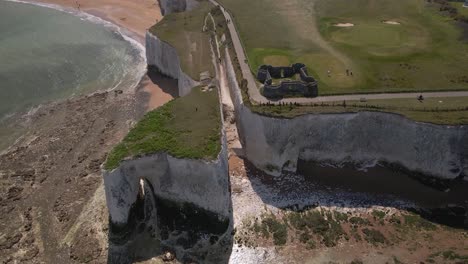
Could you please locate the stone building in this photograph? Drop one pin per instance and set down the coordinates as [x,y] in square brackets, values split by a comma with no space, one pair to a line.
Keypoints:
[306,86]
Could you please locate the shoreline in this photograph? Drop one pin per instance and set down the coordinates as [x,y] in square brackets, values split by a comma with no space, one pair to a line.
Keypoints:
[134,17]
[50,174]
[132,31]
[131,20]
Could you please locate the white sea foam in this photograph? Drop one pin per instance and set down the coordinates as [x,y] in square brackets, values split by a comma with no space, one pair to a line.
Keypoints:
[131,75]
[125,34]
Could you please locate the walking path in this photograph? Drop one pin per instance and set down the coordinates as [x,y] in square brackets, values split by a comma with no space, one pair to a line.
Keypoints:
[353,97]
[254,92]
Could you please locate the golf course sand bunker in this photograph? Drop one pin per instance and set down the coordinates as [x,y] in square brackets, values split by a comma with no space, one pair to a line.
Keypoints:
[389,22]
[344,25]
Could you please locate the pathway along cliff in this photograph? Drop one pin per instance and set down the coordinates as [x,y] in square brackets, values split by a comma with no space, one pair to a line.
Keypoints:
[431,155]
[256,97]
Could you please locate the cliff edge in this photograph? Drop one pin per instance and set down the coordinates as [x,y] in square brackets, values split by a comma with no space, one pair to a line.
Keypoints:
[164,57]
[364,139]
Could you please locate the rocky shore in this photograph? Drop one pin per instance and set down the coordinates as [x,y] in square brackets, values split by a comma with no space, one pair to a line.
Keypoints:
[52,200]
[52,174]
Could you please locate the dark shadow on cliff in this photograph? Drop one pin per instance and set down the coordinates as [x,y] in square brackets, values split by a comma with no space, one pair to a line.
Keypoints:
[315,185]
[157,226]
[167,84]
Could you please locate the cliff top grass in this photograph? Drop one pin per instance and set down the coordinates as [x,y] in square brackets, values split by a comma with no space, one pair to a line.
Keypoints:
[186,127]
[422,53]
[184,31]
[442,111]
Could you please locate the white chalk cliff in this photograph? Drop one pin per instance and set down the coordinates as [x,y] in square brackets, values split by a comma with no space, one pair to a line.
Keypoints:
[164,57]
[365,138]
[204,184]
[174,6]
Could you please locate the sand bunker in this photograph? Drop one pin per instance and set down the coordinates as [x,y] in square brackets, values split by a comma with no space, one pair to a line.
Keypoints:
[391,22]
[344,25]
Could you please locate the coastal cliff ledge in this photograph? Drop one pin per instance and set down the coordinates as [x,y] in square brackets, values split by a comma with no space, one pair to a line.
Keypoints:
[184,56]
[180,149]
[164,57]
[365,139]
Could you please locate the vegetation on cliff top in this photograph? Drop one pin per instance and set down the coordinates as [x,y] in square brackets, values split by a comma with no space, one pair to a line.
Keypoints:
[186,127]
[422,52]
[184,31]
[444,111]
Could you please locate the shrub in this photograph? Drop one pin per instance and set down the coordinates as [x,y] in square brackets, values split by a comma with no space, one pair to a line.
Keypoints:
[311,244]
[304,237]
[341,217]
[378,214]
[359,221]
[373,236]
[415,221]
[328,229]
[277,228]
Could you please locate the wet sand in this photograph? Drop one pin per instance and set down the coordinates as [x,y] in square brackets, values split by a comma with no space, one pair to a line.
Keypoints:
[52,202]
[136,16]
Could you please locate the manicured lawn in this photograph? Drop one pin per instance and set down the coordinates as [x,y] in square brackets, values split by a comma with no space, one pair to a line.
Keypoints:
[421,53]
[186,127]
[397,57]
[453,110]
[184,32]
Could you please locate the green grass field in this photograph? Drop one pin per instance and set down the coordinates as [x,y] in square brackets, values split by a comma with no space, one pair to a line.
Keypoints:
[184,32]
[421,53]
[186,127]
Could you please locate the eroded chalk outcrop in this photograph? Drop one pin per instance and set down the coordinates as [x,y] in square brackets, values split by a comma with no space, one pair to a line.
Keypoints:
[200,183]
[175,6]
[364,138]
[182,204]
[165,58]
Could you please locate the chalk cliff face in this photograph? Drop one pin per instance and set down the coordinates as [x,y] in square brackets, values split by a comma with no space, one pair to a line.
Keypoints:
[164,57]
[174,6]
[204,184]
[364,138]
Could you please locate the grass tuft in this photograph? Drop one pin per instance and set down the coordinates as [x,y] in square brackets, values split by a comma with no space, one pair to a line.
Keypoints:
[417,222]
[373,236]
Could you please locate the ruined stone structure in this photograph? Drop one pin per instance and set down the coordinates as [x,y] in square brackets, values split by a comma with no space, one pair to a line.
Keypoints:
[306,86]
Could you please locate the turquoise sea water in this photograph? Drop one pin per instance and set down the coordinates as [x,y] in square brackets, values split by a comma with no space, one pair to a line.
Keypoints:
[46,54]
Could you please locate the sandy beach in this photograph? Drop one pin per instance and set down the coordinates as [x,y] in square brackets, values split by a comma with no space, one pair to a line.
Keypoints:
[52,202]
[136,16]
